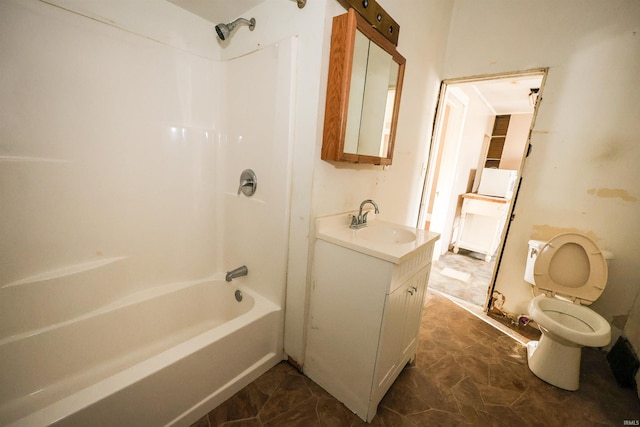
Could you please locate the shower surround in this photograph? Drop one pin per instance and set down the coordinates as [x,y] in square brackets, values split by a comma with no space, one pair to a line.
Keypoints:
[119,164]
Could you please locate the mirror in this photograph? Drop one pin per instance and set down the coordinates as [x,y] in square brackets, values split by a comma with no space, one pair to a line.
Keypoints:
[363,93]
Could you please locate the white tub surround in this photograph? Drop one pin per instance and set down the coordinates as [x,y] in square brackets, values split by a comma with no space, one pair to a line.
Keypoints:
[123,137]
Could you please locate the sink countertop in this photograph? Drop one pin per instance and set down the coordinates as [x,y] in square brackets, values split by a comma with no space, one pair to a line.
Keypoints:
[335,229]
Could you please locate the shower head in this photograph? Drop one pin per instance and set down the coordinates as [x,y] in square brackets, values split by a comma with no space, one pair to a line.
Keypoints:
[224,30]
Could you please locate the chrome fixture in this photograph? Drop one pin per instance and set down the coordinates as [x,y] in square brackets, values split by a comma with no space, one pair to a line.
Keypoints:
[361,220]
[224,30]
[240,271]
[248,183]
[238,295]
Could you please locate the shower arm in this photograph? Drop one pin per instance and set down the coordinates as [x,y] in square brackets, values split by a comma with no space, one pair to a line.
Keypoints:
[250,23]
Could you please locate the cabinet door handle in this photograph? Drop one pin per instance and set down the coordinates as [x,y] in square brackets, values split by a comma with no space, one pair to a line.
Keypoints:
[412,290]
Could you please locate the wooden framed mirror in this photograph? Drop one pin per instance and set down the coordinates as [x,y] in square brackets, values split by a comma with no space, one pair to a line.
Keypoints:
[363,93]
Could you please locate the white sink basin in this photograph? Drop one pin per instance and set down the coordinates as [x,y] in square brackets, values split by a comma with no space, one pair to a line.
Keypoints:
[380,239]
[386,234]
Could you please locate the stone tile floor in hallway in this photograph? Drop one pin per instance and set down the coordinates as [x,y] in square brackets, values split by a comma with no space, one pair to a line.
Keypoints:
[471,276]
[466,373]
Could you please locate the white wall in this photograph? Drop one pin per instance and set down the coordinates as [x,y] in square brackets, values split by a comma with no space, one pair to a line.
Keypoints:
[342,187]
[422,41]
[583,172]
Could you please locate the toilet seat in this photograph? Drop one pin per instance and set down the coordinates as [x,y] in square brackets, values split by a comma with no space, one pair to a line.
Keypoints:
[581,280]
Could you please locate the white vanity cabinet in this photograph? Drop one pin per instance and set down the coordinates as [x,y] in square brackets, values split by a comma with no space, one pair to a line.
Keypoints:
[365,311]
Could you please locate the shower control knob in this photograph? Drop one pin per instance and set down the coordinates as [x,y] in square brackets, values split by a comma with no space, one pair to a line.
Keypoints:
[248,183]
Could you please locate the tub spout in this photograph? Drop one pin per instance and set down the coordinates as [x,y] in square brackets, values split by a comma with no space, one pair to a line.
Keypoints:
[240,271]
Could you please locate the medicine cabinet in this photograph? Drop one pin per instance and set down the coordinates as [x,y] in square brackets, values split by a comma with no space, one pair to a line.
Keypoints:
[363,93]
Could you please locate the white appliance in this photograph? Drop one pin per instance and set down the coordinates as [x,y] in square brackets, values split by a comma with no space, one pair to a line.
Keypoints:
[497,182]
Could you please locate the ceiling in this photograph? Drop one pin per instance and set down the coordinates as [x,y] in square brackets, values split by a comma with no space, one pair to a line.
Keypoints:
[217,11]
[505,95]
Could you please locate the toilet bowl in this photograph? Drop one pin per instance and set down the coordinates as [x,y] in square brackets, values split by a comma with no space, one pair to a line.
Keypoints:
[569,272]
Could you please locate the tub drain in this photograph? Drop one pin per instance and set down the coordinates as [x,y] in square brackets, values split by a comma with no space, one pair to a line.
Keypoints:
[238,295]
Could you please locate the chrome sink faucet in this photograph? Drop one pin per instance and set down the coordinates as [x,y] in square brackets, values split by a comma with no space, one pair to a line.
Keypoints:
[361,220]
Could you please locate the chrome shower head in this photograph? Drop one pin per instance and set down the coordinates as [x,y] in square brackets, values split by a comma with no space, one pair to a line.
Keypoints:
[224,30]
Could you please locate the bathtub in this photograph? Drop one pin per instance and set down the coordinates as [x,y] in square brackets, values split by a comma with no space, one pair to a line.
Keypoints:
[160,357]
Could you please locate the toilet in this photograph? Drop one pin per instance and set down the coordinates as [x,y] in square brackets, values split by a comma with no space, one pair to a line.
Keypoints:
[568,273]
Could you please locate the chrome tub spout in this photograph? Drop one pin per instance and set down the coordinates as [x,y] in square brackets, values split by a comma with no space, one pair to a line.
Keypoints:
[237,272]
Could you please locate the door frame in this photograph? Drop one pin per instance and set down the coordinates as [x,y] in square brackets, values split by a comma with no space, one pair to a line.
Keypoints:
[435,147]
[444,169]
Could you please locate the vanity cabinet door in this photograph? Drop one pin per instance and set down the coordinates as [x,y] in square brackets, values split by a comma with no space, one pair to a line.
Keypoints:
[391,337]
[399,334]
[413,314]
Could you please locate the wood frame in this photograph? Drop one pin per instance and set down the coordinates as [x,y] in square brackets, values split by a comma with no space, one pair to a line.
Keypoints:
[339,83]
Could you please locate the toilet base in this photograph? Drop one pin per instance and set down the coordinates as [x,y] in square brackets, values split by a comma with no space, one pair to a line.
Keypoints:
[555,362]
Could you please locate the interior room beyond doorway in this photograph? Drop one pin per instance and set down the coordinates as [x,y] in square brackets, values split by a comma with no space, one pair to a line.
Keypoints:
[480,138]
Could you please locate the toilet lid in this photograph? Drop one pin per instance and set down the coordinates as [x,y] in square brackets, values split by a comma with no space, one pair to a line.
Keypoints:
[571,265]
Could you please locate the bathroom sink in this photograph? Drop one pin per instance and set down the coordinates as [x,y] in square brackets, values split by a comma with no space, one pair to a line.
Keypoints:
[386,234]
[380,239]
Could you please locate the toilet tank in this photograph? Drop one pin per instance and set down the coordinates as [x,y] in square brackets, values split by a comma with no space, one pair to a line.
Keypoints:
[534,249]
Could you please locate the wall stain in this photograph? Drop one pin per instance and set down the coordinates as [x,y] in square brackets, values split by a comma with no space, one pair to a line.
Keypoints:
[546,232]
[609,193]
[609,152]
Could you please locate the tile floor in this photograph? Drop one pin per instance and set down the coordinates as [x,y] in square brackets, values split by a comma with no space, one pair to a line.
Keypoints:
[467,373]
[473,290]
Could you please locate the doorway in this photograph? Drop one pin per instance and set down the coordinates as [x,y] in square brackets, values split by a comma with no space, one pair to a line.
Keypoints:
[482,127]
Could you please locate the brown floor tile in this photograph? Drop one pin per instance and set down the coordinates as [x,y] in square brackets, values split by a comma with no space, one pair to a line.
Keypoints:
[333,413]
[474,367]
[302,415]
[498,396]
[466,373]
[288,395]
[247,403]
[466,393]
[389,418]
[403,400]
[270,380]
[436,417]
[202,422]
[506,416]
[446,372]
[251,422]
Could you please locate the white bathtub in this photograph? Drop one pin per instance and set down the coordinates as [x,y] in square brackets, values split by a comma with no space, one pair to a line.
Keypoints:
[165,357]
